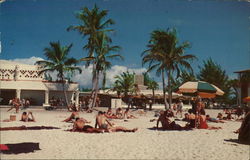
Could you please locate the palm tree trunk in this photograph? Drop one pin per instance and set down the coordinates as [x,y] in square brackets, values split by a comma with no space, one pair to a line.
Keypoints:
[65,93]
[153,96]
[104,80]
[164,93]
[93,86]
[169,89]
[96,90]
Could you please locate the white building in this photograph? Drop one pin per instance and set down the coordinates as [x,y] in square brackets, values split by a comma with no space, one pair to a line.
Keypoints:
[23,81]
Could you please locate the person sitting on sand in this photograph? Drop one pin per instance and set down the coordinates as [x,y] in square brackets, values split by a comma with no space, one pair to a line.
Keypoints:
[79,126]
[220,116]
[119,113]
[15,104]
[103,123]
[128,115]
[166,123]
[72,117]
[191,119]
[110,115]
[216,120]
[228,117]
[25,117]
[244,130]
[186,117]
[203,122]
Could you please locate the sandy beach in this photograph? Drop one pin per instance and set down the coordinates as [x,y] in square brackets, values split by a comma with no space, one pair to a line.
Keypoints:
[143,144]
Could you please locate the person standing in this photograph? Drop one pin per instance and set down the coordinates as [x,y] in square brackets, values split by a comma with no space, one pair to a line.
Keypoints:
[15,104]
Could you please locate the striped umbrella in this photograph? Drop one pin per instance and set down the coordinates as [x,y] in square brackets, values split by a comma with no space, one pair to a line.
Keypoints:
[201,88]
[246,99]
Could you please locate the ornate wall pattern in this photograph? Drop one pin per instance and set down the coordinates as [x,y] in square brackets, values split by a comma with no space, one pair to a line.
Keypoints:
[10,74]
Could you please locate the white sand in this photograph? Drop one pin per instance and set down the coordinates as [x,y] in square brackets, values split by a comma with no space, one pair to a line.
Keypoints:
[144,144]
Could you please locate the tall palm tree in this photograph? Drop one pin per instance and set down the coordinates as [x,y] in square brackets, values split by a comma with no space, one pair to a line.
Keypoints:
[102,60]
[165,54]
[57,60]
[93,23]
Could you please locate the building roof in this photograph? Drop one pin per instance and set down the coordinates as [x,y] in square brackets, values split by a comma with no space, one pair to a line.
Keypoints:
[243,71]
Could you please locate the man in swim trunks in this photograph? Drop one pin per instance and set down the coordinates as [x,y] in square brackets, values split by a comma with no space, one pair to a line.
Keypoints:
[79,126]
[103,123]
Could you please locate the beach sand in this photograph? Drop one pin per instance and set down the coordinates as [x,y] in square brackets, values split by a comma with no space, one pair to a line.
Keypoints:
[144,144]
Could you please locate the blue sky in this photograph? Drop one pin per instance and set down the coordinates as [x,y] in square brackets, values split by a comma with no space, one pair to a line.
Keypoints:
[216,29]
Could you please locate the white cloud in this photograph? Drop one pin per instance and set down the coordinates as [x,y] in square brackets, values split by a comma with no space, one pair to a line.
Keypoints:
[85,78]
[31,60]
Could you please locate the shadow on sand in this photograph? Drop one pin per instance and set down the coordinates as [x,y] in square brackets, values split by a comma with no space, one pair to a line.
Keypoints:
[160,129]
[234,141]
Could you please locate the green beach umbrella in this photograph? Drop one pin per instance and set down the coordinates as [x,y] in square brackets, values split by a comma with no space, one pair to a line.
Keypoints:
[201,88]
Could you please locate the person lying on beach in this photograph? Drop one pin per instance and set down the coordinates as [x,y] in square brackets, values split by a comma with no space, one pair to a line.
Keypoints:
[103,123]
[15,104]
[167,124]
[73,117]
[216,120]
[128,115]
[25,117]
[88,110]
[203,122]
[79,126]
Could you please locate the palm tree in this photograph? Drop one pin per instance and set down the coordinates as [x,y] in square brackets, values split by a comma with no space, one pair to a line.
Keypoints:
[57,60]
[93,23]
[102,60]
[124,83]
[213,73]
[153,85]
[165,54]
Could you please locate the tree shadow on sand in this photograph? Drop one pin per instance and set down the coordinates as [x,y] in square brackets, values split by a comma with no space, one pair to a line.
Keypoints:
[234,141]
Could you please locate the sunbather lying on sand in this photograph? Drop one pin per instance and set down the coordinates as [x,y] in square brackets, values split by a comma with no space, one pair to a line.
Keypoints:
[128,115]
[167,124]
[203,122]
[73,117]
[216,120]
[79,126]
[103,123]
[25,117]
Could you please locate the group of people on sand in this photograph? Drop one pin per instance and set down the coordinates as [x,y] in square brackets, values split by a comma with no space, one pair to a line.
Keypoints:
[102,124]
[119,114]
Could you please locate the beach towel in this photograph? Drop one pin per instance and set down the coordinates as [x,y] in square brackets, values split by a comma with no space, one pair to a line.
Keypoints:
[19,148]
[27,128]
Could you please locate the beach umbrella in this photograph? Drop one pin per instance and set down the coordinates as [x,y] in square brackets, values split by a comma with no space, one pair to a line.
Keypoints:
[201,88]
[246,99]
